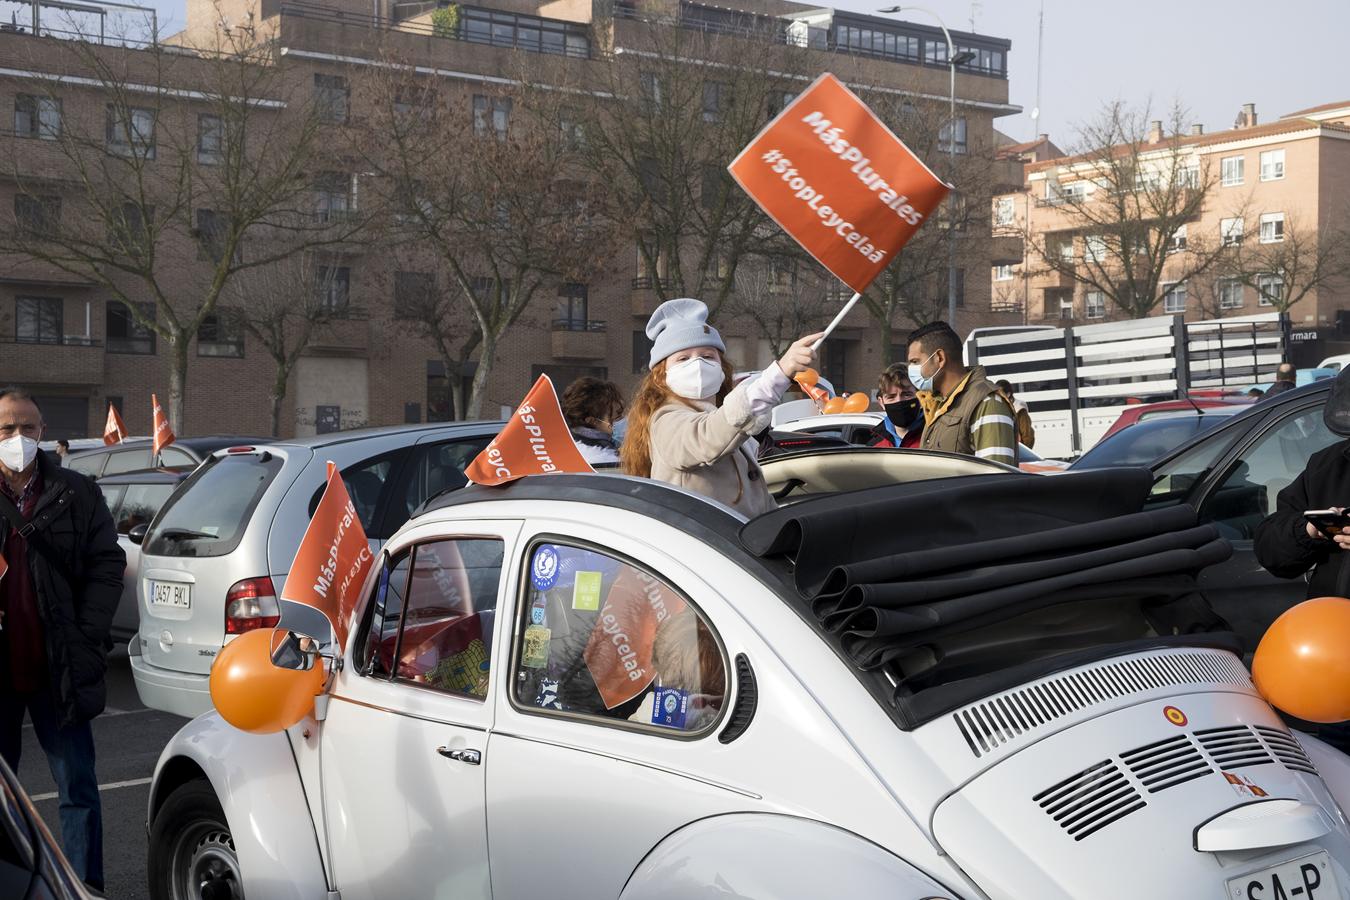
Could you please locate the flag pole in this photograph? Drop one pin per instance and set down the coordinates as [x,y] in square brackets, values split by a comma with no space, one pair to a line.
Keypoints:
[837,319]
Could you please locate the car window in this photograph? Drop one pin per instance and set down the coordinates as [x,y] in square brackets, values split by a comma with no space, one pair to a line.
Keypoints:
[436,468]
[1247,493]
[1140,445]
[128,460]
[366,483]
[140,503]
[176,456]
[208,515]
[1174,482]
[112,496]
[603,639]
[375,652]
[86,463]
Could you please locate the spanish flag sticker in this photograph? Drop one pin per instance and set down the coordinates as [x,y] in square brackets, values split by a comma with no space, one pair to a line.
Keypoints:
[1175,716]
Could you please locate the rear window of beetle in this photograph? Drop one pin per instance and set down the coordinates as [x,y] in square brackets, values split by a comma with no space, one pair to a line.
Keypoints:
[209,515]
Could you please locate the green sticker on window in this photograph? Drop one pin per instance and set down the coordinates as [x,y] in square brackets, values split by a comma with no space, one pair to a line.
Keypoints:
[586,593]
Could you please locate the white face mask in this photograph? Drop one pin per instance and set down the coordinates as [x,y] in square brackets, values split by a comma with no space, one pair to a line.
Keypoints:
[17,453]
[695,379]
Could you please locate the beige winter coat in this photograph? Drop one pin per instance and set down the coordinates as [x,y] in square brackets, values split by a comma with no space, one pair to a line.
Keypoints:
[705,451]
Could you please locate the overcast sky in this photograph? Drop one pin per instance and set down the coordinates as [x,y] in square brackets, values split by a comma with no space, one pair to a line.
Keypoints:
[1212,55]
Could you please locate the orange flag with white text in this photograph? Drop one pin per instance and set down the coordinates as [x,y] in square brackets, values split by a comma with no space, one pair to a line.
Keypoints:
[329,568]
[163,433]
[535,441]
[115,430]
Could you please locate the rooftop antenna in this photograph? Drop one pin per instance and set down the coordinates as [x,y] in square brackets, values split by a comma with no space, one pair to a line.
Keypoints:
[975,8]
[1040,43]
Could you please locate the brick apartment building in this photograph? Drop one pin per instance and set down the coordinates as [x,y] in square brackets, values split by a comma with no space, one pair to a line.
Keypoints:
[79,350]
[1266,184]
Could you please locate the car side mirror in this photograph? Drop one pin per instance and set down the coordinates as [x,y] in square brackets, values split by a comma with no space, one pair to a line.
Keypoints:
[137,533]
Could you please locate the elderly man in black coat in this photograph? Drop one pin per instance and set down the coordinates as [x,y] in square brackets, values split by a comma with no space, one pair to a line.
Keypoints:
[61,581]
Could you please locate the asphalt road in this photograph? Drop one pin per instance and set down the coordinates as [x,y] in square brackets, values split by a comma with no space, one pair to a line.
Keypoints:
[128,739]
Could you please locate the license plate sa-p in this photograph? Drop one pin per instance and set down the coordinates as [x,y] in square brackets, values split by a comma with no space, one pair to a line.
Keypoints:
[1306,878]
[168,593]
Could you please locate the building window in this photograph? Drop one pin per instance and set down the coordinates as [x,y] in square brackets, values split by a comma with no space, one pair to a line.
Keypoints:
[1094,248]
[37,117]
[959,282]
[878,42]
[221,334]
[1005,211]
[1174,298]
[1189,177]
[413,206]
[649,85]
[125,334]
[491,116]
[212,232]
[573,308]
[573,128]
[210,139]
[1094,305]
[715,100]
[1272,228]
[778,101]
[335,195]
[37,215]
[1230,231]
[1003,273]
[1177,242]
[131,131]
[1272,165]
[414,293]
[1061,248]
[1230,293]
[334,286]
[945,135]
[37,320]
[523,32]
[331,97]
[1270,289]
[642,350]
[1230,170]
[1066,308]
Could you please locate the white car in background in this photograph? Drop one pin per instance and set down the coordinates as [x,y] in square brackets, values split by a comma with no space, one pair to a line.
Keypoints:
[484,738]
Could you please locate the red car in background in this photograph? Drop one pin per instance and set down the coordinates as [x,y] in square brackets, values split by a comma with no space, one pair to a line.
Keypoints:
[1161,410]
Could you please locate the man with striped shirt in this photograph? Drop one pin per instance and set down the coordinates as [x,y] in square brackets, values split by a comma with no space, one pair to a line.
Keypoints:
[964,411]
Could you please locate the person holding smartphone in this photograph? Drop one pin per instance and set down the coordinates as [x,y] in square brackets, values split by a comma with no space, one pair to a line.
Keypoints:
[1309,529]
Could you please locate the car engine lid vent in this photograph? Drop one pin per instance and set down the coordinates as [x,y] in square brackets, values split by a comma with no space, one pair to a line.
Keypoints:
[1087,802]
[1165,764]
[747,699]
[1234,747]
[1287,749]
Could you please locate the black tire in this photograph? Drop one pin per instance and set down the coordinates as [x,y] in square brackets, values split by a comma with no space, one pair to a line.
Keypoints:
[192,855]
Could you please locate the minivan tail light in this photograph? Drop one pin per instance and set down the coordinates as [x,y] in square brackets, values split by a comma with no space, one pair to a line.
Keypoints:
[249,604]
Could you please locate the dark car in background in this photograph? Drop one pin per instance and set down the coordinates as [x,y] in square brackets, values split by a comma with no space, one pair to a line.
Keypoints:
[134,498]
[1232,474]
[32,866]
[131,455]
[1151,439]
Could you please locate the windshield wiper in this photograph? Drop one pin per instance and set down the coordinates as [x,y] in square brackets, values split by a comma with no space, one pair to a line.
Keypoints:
[186,534]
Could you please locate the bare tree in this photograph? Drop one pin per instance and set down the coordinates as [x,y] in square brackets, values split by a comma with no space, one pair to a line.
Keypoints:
[784,297]
[489,198]
[192,160]
[1124,201]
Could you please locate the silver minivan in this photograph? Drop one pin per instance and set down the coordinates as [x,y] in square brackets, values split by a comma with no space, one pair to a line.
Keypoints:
[216,555]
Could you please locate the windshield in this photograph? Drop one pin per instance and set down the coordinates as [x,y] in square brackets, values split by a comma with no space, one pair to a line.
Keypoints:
[1144,444]
[1173,482]
[208,516]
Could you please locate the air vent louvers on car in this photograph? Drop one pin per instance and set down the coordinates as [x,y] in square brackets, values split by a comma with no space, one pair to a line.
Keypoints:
[747,699]
[1287,749]
[991,723]
[1089,801]
[1165,764]
[1234,747]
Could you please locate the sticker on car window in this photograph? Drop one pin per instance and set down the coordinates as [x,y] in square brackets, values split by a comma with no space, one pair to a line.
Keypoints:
[535,654]
[586,591]
[544,568]
[670,707]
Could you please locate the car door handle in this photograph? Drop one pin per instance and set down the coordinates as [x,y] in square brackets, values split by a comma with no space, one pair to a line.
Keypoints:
[472,757]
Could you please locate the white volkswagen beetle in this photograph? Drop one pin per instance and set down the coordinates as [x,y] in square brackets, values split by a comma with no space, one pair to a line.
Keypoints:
[601,687]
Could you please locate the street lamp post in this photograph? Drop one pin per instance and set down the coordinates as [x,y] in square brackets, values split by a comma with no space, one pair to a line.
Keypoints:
[953,60]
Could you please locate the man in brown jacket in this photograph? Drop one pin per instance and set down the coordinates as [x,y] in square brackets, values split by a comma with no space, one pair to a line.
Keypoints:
[964,410]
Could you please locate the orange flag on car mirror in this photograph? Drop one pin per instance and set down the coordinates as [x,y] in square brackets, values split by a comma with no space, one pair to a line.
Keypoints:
[163,433]
[329,568]
[535,441]
[115,430]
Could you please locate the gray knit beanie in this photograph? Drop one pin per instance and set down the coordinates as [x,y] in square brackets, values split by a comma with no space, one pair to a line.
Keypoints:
[679,325]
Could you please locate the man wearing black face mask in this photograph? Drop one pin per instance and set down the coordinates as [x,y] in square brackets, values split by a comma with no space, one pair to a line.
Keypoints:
[903,425]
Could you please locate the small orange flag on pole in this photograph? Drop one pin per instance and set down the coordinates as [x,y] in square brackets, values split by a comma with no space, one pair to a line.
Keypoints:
[163,433]
[329,568]
[115,430]
[535,441]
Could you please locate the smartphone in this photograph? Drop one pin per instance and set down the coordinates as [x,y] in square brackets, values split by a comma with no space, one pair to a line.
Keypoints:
[1328,521]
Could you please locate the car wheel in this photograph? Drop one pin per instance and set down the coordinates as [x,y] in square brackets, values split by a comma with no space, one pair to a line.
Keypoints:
[192,855]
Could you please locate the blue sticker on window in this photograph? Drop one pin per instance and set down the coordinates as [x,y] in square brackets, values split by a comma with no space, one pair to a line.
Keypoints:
[544,568]
[670,707]
[537,615]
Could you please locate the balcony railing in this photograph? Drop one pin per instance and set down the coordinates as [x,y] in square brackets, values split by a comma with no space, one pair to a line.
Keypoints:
[578,325]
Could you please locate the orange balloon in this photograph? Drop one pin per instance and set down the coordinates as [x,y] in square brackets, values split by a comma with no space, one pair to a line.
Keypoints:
[1302,665]
[833,405]
[856,403]
[807,378]
[254,695]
